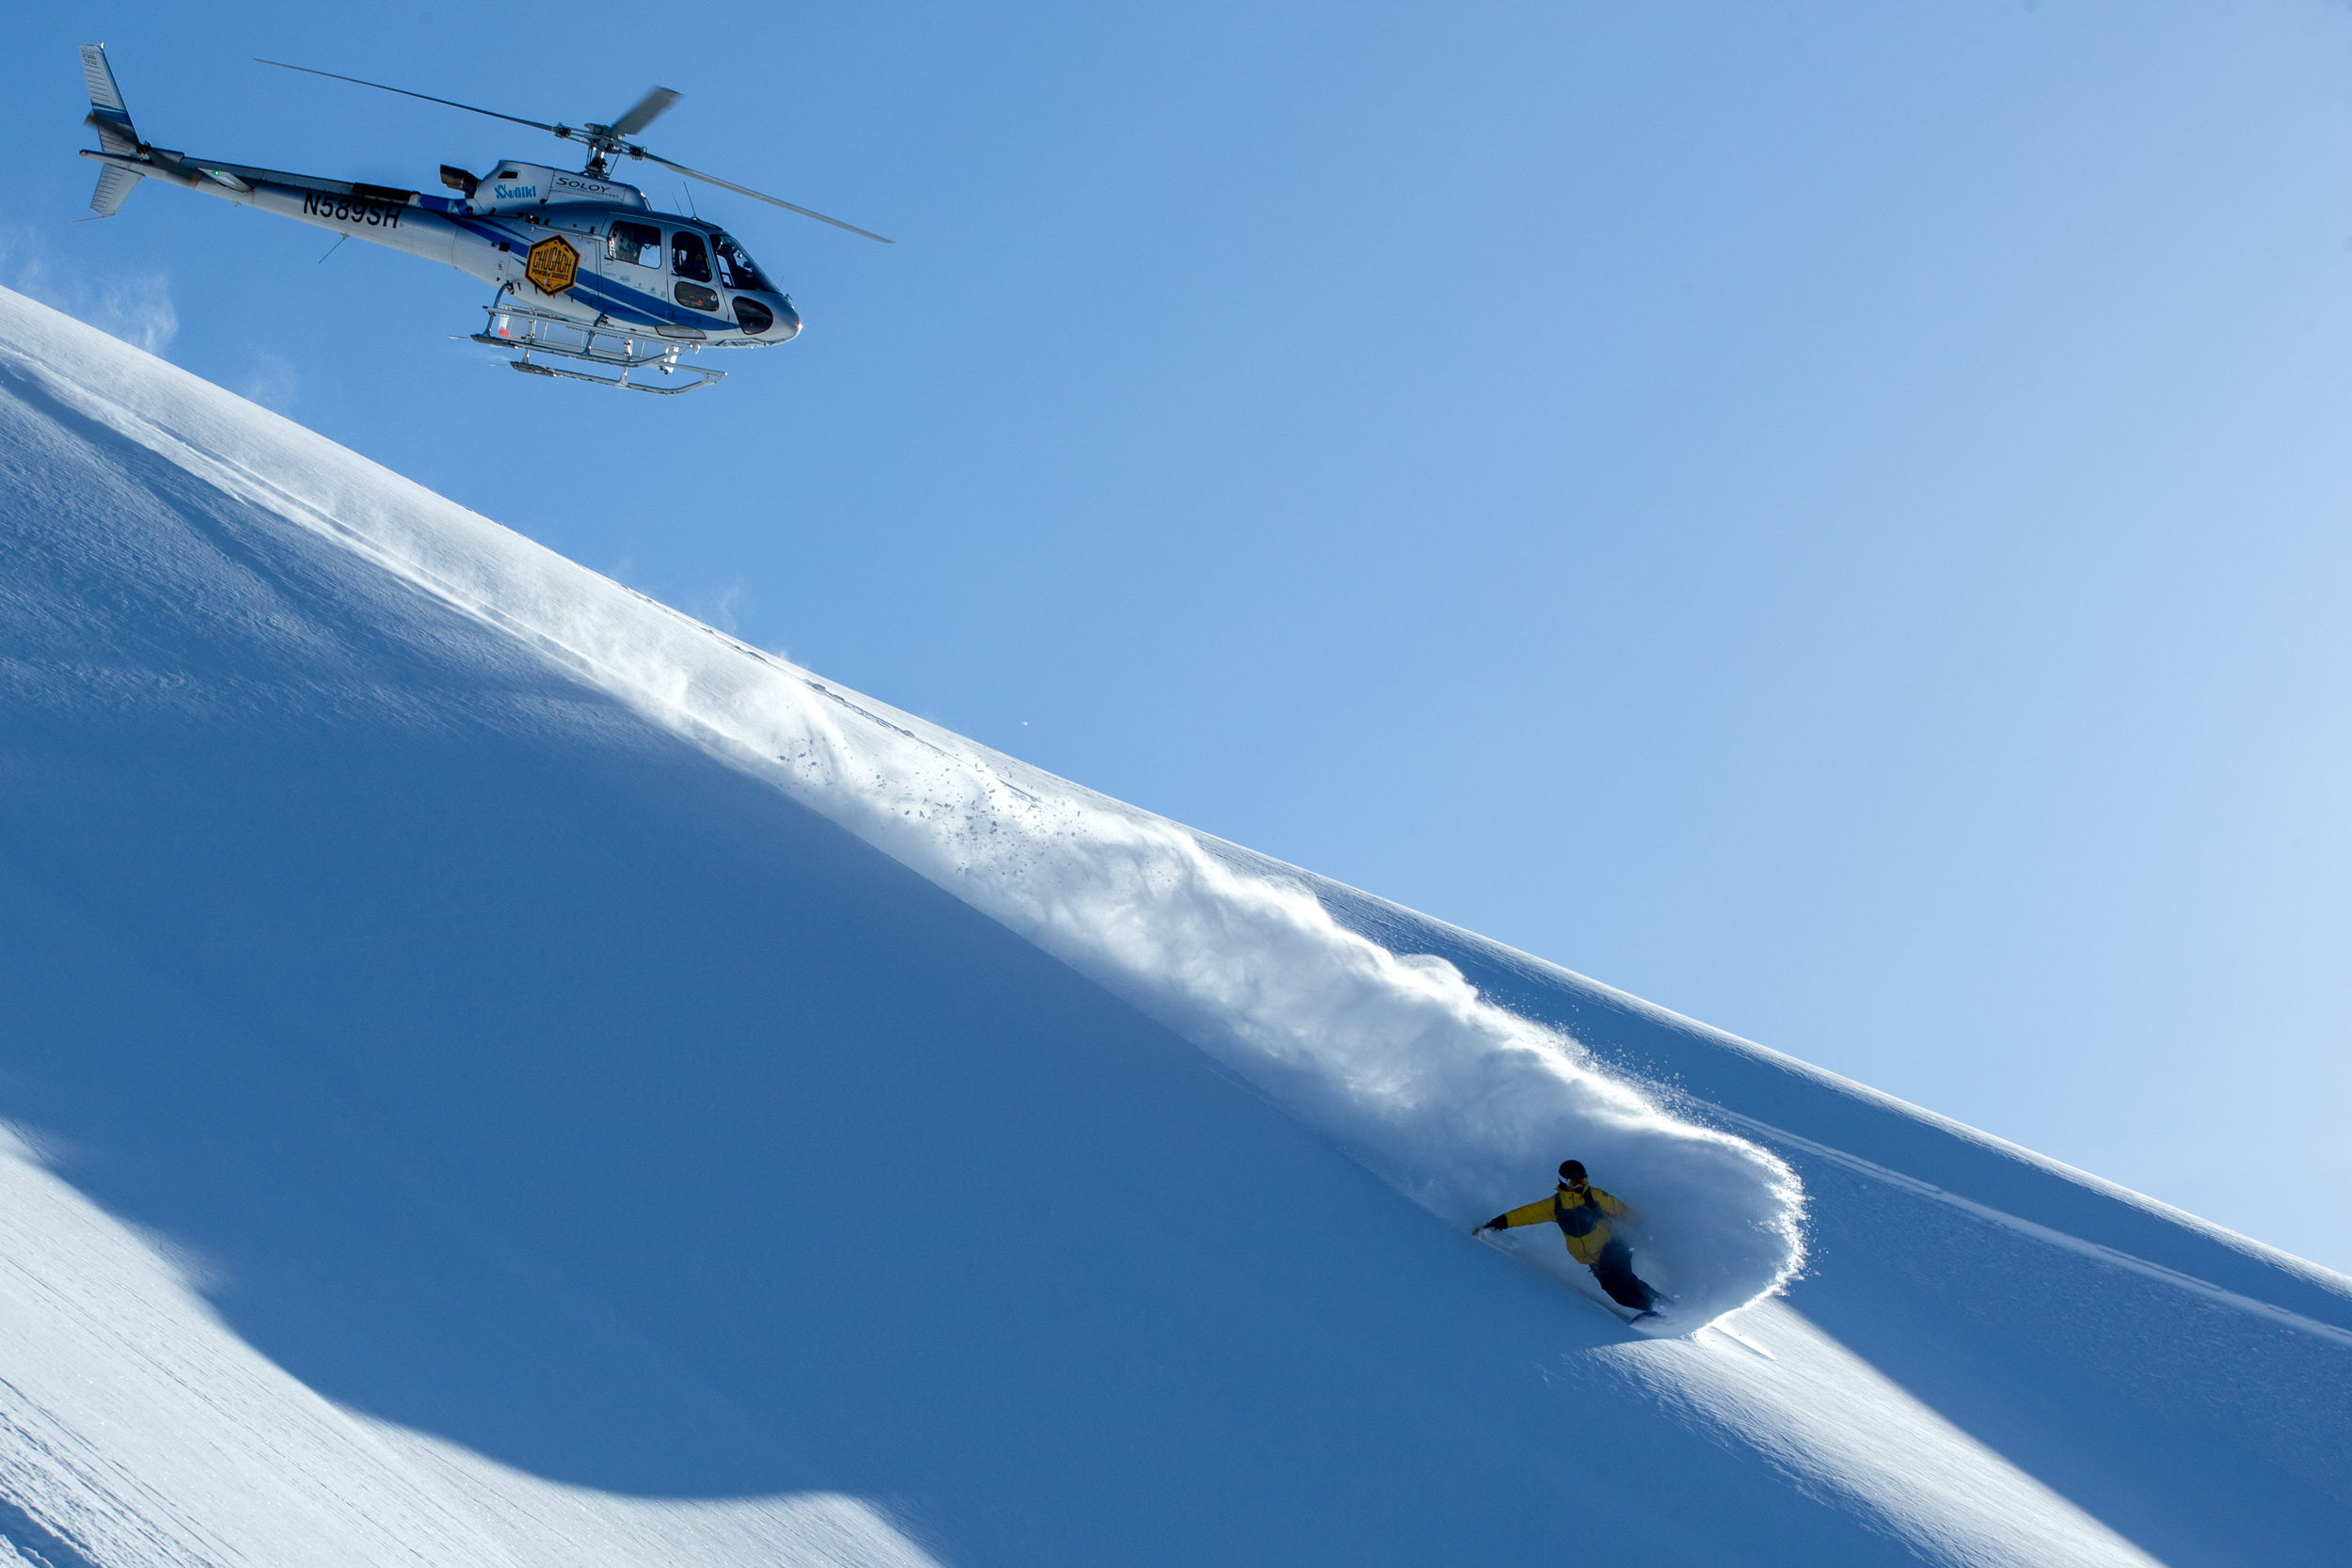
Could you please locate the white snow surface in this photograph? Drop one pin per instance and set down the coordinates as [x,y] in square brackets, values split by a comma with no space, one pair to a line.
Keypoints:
[1395,1056]
[488,1090]
[147,1432]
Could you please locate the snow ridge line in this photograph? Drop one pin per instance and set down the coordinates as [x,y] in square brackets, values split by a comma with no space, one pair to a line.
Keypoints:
[2098,1250]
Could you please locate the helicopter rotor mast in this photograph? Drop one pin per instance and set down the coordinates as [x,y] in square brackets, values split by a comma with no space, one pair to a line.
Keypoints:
[602,141]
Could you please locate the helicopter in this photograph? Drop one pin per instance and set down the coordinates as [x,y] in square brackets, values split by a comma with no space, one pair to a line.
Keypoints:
[588,274]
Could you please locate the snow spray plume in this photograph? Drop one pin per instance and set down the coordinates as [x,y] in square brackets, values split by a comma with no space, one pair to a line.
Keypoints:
[1459,1105]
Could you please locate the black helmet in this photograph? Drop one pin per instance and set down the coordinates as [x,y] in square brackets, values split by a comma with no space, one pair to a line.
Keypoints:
[1571,1170]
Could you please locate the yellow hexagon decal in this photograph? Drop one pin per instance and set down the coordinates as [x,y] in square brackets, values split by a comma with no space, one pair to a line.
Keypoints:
[552,265]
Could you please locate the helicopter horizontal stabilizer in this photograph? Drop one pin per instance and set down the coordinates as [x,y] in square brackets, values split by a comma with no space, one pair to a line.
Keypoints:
[114,183]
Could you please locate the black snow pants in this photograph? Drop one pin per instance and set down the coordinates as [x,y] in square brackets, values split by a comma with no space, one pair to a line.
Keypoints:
[1613,1268]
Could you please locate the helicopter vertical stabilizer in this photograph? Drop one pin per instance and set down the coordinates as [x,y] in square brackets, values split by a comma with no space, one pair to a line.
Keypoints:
[111,117]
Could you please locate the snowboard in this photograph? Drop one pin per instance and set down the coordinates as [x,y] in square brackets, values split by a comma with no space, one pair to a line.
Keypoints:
[1589,1288]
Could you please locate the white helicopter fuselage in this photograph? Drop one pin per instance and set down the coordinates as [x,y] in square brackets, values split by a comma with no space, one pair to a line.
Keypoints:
[590,277]
[561,243]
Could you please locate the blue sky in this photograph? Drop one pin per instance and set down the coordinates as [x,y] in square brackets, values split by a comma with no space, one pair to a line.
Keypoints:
[1829,517]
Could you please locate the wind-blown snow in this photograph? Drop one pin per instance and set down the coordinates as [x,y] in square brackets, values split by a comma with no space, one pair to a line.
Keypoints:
[1463,1106]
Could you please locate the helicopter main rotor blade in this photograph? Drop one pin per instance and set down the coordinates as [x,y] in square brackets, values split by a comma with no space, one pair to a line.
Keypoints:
[648,109]
[639,114]
[746,190]
[563,131]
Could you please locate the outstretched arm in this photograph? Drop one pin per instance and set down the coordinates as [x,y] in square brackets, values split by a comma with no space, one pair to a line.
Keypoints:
[1538,1212]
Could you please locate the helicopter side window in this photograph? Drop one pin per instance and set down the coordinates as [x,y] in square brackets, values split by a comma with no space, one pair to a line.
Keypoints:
[688,259]
[638,244]
[736,264]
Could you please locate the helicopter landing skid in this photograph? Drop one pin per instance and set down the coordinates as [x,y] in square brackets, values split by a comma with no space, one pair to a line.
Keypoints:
[553,337]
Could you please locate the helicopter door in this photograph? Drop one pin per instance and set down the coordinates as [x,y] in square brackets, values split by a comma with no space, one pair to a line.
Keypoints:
[690,261]
[632,263]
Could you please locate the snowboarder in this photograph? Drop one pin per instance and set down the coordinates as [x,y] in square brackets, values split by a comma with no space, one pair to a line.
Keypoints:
[1582,1211]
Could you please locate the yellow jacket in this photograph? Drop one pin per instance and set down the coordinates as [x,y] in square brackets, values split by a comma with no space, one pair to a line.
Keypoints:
[1579,1216]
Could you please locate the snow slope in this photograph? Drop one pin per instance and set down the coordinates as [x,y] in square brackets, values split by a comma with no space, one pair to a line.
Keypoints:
[505,1073]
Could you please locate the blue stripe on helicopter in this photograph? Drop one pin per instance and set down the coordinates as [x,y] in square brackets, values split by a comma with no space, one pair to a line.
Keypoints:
[613,297]
[636,306]
[609,295]
[587,284]
[615,301]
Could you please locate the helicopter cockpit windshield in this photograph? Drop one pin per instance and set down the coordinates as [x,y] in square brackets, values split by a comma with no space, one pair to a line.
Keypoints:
[742,272]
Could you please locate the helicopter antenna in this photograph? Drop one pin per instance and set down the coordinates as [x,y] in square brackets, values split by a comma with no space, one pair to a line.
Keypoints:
[602,141]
